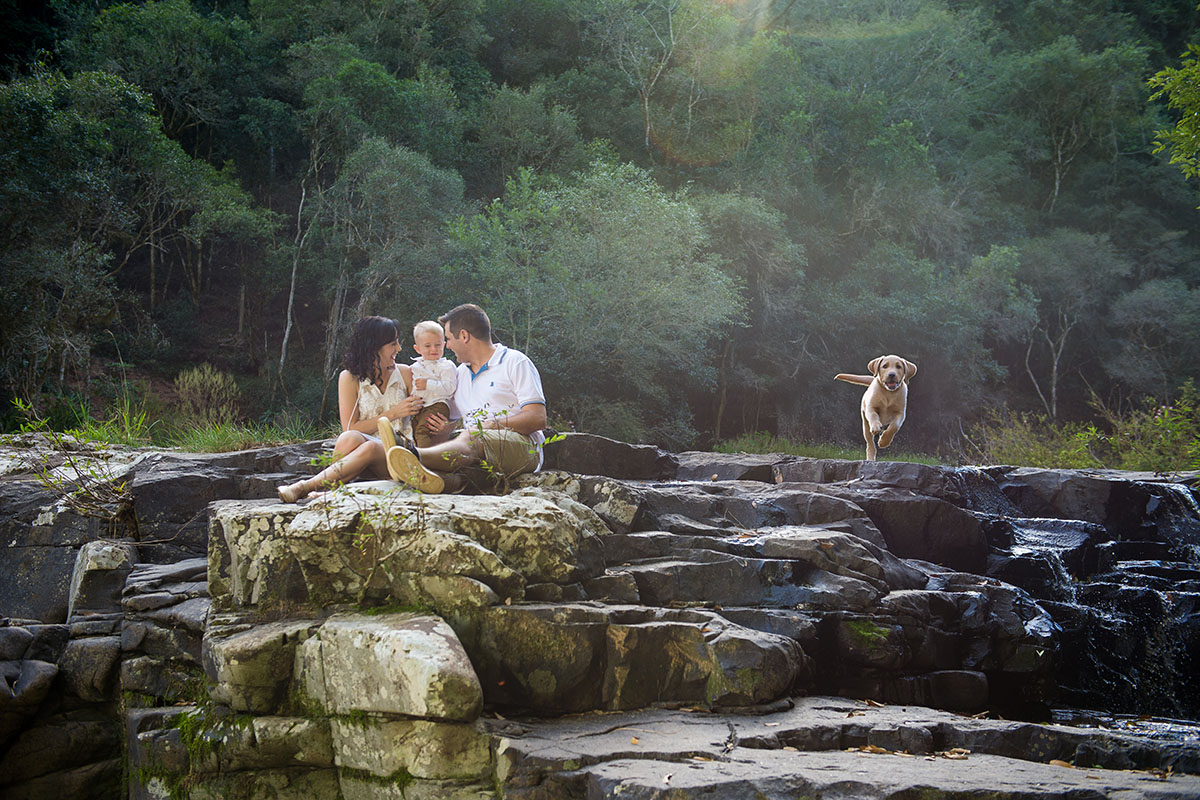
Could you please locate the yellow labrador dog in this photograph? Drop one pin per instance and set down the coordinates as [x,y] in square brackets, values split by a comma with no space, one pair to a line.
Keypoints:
[886,400]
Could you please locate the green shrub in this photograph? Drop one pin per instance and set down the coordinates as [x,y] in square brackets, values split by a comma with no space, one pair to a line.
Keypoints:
[207,395]
[1155,437]
[1031,440]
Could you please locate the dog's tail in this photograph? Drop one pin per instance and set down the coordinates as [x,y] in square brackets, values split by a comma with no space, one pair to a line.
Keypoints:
[861,380]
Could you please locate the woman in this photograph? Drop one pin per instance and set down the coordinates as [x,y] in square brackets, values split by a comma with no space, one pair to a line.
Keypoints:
[372,388]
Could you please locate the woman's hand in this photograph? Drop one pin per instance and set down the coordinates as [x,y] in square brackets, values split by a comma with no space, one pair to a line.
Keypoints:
[405,408]
[436,422]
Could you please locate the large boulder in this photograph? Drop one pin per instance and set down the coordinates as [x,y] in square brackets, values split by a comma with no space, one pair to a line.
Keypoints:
[379,542]
[589,454]
[408,664]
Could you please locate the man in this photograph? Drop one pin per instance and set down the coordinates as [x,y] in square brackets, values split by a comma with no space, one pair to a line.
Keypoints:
[500,403]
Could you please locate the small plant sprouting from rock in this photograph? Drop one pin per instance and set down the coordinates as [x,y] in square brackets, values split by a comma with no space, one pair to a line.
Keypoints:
[82,486]
[401,778]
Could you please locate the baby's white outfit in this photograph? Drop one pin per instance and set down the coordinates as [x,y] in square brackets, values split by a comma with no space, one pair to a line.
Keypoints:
[442,377]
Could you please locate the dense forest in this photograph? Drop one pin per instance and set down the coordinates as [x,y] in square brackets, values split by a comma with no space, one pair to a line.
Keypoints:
[690,213]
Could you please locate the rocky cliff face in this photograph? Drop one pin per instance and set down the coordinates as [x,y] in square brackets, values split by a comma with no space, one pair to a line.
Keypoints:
[746,625]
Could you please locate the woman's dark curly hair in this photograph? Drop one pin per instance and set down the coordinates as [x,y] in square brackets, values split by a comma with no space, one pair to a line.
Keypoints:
[369,334]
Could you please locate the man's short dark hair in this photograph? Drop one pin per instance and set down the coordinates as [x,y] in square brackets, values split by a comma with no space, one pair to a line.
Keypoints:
[470,317]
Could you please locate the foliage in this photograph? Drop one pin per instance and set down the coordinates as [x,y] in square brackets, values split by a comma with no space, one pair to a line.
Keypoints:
[1181,88]
[1023,439]
[610,255]
[1154,437]
[1158,437]
[706,208]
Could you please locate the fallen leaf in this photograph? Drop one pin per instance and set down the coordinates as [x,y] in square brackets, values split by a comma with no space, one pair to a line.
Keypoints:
[499,683]
[701,758]
[508,601]
[872,703]
[634,740]
[772,724]
[856,713]
[873,748]
[793,749]
[956,754]
[714,477]
[1060,763]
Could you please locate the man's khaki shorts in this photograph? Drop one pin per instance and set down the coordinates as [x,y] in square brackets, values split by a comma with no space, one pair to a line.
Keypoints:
[507,452]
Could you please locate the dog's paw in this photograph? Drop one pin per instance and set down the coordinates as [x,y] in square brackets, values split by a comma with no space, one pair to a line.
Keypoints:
[876,429]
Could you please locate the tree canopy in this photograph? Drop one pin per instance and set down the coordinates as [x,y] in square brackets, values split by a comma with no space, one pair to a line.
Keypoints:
[690,213]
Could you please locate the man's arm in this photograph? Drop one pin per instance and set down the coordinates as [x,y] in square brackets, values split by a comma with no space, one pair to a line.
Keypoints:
[529,420]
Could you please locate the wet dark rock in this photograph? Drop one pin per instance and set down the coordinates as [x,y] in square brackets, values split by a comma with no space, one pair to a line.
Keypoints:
[88,667]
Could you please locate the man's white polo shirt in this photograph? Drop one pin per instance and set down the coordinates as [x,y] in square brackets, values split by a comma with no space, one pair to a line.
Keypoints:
[505,384]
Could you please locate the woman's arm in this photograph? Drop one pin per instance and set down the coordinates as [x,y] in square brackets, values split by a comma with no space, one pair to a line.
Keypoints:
[348,401]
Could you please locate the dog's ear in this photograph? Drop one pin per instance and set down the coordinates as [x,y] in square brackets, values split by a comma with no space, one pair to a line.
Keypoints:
[910,369]
[873,366]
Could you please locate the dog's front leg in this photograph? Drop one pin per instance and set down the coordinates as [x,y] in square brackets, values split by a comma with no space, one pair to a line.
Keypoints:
[886,437]
[868,436]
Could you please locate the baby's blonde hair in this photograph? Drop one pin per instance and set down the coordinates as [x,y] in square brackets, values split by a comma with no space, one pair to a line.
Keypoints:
[428,326]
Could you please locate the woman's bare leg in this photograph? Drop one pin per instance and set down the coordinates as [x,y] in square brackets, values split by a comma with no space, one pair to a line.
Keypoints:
[355,454]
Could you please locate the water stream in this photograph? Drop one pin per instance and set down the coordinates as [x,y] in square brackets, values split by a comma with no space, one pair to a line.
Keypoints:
[1125,592]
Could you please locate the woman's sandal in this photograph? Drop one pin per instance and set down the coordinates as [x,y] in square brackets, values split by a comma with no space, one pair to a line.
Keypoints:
[292,492]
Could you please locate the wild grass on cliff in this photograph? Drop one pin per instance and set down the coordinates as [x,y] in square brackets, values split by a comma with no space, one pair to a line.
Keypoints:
[764,442]
[131,423]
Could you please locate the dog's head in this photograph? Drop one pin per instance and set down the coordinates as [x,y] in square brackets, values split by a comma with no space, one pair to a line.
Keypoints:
[892,371]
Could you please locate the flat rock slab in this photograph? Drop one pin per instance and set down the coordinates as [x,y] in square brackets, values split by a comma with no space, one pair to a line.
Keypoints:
[834,747]
[864,776]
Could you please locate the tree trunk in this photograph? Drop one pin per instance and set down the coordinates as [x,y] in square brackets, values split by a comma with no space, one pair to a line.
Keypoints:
[153,271]
[722,389]
[301,236]
[331,335]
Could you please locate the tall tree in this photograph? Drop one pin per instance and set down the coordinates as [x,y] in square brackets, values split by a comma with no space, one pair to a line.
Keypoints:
[1065,100]
[1074,276]
[605,278]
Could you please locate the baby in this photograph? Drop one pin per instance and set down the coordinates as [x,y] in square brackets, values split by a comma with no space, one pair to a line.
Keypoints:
[434,377]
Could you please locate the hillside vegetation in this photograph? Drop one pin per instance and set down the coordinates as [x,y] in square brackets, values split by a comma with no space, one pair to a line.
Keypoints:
[690,213]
